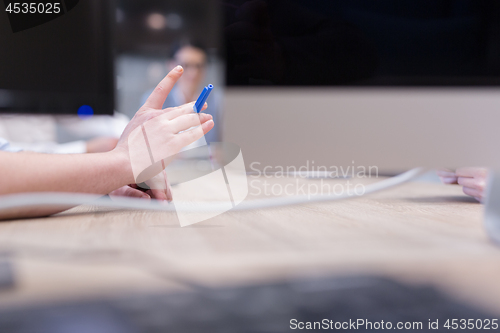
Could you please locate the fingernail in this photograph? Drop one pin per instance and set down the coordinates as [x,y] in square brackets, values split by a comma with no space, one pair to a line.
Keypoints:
[179,68]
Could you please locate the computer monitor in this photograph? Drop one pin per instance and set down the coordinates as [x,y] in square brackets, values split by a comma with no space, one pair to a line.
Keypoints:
[391,83]
[56,57]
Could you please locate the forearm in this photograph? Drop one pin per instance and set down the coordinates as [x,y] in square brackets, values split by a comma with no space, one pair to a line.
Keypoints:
[105,172]
[83,173]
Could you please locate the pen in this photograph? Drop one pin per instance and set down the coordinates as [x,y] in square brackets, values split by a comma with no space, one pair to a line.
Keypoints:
[203,98]
[197,108]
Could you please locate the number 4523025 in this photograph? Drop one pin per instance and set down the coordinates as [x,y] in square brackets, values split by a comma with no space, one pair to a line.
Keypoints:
[33,8]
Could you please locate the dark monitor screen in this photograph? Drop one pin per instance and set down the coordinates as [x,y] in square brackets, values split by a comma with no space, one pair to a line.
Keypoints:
[362,42]
[56,57]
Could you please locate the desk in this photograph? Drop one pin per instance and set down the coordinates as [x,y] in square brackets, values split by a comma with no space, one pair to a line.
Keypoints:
[416,233]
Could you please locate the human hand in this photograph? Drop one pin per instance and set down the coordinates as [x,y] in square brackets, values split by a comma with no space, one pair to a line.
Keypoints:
[168,131]
[158,189]
[131,191]
[473,180]
[447,176]
[101,145]
[134,191]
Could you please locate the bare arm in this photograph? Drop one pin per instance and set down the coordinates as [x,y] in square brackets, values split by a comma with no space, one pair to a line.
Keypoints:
[104,172]
[32,172]
[84,173]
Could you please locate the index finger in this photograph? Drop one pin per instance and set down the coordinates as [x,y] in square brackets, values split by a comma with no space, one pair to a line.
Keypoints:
[445,173]
[472,172]
[173,113]
[160,94]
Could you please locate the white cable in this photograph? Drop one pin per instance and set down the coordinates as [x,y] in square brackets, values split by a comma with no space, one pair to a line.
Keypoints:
[74,199]
[308,199]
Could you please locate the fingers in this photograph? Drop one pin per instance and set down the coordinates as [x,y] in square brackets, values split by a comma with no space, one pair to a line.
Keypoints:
[187,121]
[477,194]
[135,193]
[447,176]
[207,126]
[160,188]
[159,95]
[127,191]
[472,172]
[475,183]
[188,137]
[172,113]
[449,180]
[160,195]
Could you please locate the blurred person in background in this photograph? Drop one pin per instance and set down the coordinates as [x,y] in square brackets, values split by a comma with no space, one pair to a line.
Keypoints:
[193,58]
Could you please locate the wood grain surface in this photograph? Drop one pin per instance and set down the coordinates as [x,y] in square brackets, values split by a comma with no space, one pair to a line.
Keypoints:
[419,233]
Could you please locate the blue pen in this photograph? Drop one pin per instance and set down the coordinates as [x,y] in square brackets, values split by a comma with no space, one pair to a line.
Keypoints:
[197,108]
[203,98]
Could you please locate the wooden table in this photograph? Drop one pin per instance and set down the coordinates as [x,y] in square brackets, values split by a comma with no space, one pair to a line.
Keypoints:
[416,233]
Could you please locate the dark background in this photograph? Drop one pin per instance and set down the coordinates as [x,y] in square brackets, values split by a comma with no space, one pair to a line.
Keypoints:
[58,66]
[363,42]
